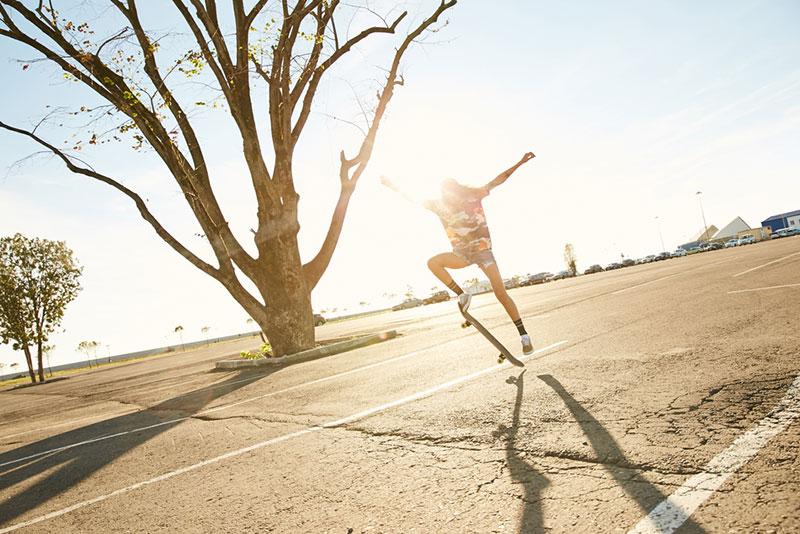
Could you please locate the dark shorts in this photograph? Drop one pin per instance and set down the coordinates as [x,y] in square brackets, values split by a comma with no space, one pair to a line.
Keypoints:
[481,258]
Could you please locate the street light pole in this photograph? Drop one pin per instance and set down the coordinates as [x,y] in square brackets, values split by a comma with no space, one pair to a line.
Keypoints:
[660,236]
[703,214]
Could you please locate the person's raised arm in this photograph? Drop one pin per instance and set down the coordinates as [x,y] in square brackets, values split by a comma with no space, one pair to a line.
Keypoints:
[405,194]
[503,176]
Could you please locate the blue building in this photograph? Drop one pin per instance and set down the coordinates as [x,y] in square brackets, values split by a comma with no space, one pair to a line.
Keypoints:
[784,220]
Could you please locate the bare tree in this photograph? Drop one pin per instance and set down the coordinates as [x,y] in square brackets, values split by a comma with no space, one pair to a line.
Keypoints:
[296,48]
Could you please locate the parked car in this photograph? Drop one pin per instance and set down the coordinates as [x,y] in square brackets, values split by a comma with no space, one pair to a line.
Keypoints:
[439,296]
[613,266]
[511,283]
[408,303]
[663,256]
[710,246]
[593,269]
[694,250]
[563,274]
[786,232]
[538,278]
[747,240]
[677,253]
[731,243]
[318,320]
[649,259]
[627,262]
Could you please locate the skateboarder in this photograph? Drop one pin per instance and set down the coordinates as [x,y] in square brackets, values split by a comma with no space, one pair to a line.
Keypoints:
[460,210]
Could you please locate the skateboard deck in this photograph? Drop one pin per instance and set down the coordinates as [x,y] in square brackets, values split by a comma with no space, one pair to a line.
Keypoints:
[504,352]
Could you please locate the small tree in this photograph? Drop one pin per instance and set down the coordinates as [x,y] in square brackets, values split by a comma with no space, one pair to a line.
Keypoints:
[38,278]
[570,259]
[89,348]
[48,350]
[179,330]
[409,294]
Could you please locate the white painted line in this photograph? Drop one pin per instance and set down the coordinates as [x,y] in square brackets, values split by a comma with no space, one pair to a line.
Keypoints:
[107,416]
[224,406]
[762,288]
[238,452]
[646,283]
[623,290]
[765,265]
[70,422]
[672,512]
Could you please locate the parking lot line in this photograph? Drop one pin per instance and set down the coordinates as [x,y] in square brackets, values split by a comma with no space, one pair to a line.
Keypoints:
[671,513]
[70,422]
[737,275]
[763,288]
[224,406]
[316,428]
[636,286]
[623,290]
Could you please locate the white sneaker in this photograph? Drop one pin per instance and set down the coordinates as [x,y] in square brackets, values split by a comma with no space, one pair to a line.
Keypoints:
[463,300]
[527,346]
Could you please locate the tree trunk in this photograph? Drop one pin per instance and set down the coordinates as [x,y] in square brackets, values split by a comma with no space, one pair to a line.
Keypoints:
[39,361]
[29,360]
[288,319]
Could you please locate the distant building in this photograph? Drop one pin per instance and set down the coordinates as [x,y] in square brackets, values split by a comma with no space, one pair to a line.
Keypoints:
[703,237]
[784,220]
[731,230]
[759,234]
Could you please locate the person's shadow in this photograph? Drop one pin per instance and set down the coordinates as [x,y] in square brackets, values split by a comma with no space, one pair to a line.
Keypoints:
[521,472]
[613,459]
[57,471]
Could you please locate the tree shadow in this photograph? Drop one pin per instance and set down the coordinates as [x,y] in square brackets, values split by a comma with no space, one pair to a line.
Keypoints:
[521,472]
[88,449]
[613,459]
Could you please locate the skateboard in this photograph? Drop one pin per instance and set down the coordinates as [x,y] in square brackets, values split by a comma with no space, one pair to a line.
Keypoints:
[504,352]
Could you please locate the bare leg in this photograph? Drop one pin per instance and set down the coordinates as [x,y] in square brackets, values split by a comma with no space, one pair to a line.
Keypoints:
[493,273]
[441,262]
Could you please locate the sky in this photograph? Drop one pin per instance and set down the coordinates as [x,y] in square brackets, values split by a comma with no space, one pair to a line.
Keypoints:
[630,107]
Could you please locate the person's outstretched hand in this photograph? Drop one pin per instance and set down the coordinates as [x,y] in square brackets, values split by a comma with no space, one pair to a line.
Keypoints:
[527,157]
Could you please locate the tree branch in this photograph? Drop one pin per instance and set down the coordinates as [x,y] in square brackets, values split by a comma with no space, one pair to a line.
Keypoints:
[313,269]
[140,204]
[313,83]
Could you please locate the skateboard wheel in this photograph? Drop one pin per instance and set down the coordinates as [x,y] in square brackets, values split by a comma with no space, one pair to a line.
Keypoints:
[466,324]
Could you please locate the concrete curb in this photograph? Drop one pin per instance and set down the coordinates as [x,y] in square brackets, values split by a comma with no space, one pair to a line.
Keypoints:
[311,354]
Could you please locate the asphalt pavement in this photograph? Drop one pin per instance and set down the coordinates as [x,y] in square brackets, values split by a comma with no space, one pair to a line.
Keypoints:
[662,397]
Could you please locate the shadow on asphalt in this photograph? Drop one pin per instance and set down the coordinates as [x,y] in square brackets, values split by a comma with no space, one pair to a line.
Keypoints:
[62,470]
[521,472]
[613,460]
